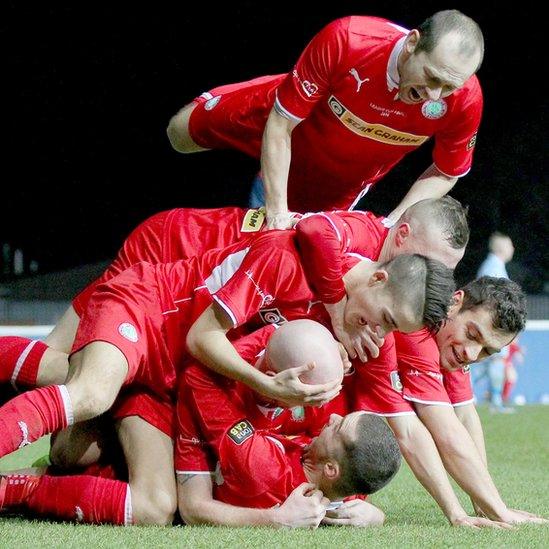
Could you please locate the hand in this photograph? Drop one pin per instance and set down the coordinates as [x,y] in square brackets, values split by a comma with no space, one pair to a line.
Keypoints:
[278,220]
[356,512]
[479,522]
[287,388]
[347,365]
[304,508]
[515,516]
[356,340]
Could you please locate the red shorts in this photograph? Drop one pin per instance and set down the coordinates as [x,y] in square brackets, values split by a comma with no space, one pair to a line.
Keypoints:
[127,312]
[192,452]
[145,243]
[138,402]
[234,116]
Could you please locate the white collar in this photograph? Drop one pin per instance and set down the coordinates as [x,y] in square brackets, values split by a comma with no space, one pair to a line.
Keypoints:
[393,78]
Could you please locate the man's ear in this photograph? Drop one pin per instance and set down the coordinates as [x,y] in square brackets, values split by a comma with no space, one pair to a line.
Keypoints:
[402,233]
[331,470]
[411,41]
[457,303]
[380,276]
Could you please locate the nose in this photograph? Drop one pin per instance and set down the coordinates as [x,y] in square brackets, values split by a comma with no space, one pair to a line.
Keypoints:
[472,352]
[434,94]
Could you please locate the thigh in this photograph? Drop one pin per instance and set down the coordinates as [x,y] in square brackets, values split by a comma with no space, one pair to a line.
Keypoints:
[62,335]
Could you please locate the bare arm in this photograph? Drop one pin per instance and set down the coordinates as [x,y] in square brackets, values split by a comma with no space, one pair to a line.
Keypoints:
[462,459]
[207,341]
[275,165]
[198,506]
[468,416]
[430,184]
[419,450]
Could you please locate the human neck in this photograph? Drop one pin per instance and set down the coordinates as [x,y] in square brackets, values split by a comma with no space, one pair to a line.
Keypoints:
[358,274]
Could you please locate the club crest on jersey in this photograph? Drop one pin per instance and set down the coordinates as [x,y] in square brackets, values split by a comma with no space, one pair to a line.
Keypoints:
[253,221]
[128,331]
[298,413]
[434,109]
[211,103]
[271,316]
[472,141]
[396,384]
[241,432]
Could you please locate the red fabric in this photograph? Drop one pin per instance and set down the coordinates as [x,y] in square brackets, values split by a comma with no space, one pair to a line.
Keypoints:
[324,237]
[376,386]
[458,386]
[29,416]
[82,498]
[172,235]
[15,349]
[352,132]
[259,472]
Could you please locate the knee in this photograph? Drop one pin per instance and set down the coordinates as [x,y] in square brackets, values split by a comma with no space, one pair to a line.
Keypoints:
[89,402]
[178,131]
[60,453]
[153,506]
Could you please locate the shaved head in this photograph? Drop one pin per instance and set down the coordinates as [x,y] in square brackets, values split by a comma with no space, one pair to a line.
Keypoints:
[301,342]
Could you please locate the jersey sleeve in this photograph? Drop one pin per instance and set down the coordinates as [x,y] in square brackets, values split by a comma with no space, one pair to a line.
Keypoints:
[252,463]
[320,238]
[323,238]
[310,79]
[268,271]
[454,146]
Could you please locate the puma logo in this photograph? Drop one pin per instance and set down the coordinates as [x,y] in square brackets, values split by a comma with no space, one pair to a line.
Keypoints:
[359,82]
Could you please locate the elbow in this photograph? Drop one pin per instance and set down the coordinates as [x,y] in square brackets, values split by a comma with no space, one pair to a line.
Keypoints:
[191,514]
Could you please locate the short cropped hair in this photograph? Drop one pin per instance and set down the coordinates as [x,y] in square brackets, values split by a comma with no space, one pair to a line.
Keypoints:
[503,298]
[427,283]
[370,461]
[451,21]
[447,214]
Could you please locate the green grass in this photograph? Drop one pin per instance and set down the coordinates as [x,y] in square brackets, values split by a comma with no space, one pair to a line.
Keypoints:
[518,450]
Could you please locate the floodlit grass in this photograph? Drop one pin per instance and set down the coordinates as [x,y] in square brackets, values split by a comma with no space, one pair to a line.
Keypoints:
[518,450]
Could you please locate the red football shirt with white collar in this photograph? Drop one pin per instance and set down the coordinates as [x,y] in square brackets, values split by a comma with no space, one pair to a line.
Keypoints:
[352,129]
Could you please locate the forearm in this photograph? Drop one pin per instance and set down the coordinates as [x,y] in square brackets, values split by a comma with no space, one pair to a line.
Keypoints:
[213,349]
[430,184]
[421,454]
[275,162]
[462,460]
[197,506]
[468,416]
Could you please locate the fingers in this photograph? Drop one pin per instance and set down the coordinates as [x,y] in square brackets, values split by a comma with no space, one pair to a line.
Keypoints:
[335,521]
[304,488]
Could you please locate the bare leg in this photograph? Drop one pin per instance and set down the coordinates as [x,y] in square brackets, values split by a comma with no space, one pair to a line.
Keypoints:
[149,456]
[178,131]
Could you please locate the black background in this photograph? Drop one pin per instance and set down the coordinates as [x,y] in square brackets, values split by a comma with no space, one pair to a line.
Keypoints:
[89,88]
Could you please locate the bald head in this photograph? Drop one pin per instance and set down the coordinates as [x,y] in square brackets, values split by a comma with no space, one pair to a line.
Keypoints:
[300,342]
[461,31]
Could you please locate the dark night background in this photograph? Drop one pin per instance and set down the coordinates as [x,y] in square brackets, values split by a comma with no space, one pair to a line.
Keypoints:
[89,89]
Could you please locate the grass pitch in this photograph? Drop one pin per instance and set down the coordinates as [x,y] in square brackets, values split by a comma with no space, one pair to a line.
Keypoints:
[518,452]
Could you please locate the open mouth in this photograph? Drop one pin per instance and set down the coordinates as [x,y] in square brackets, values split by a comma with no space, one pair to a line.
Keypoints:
[414,95]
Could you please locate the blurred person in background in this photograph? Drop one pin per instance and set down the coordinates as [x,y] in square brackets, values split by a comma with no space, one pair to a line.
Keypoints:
[500,252]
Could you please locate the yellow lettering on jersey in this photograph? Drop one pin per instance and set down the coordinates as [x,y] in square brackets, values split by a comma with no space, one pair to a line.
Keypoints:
[377,132]
[253,220]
